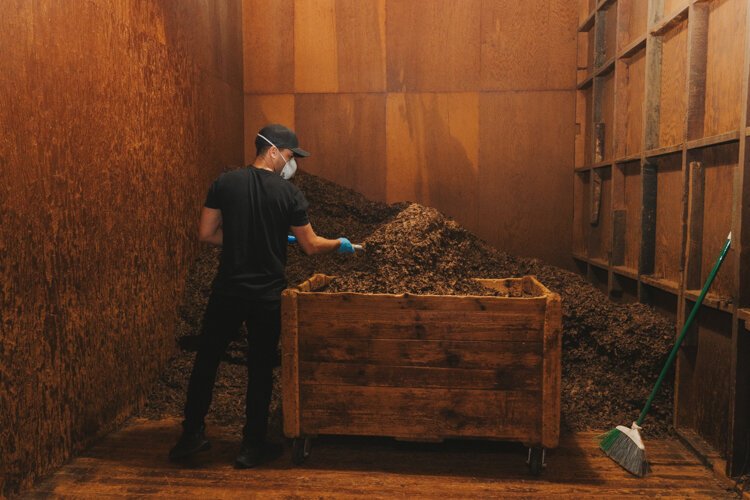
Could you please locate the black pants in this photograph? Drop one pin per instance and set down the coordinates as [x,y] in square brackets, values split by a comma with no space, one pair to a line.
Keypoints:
[224,315]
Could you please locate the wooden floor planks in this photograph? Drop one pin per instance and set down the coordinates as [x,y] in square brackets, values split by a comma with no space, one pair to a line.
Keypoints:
[132,462]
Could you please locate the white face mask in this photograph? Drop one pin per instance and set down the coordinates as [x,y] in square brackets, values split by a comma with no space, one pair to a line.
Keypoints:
[289,168]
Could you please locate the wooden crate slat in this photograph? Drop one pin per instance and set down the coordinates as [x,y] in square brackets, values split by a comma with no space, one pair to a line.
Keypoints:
[410,412]
[435,353]
[510,377]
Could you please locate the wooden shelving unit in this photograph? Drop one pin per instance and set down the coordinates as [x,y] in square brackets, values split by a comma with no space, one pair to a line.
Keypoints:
[662,174]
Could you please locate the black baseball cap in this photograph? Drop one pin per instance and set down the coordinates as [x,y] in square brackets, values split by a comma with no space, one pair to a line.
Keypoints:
[281,137]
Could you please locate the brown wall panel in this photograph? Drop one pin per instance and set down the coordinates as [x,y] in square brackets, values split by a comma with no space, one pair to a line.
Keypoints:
[703,398]
[610,31]
[600,233]
[346,135]
[630,106]
[525,198]
[673,101]
[433,152]
[315,47]
[633,17]
[534,54]
[110,139]
[632,186]
[268,41]
[421,142]
[607,83]
[262,109]
[721,166]
[581,212]
[339,45]
[726,46]
[668,218]
[361,45]
[671,6]
[433,45]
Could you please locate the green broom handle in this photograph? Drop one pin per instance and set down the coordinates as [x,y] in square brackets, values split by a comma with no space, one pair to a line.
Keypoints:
[685,328]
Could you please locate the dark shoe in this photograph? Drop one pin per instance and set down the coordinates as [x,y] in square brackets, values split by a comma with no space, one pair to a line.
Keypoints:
[252,455]
[189,444]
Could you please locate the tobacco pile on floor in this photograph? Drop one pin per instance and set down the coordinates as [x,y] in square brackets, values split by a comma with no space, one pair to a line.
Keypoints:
[612,353]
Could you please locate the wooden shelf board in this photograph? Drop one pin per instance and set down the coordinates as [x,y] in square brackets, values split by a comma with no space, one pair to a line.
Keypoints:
[628,159]
[661,283]
[586,82]
[633,47]
[747,131]
[712,300]
[652,153]
[588,23]
[669,21]
[714,140]
[584,168]
[598,262]
[626,272]
[605,68]
[581,257]
[601,164]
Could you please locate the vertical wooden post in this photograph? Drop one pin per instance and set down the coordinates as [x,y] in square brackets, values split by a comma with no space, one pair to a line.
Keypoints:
[739,385]
[290,363]
[694,250]
[648,224]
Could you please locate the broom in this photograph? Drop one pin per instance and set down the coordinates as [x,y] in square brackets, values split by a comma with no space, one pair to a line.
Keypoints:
[624,445]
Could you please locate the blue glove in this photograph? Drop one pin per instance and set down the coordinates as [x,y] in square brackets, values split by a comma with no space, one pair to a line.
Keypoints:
[291,239]
[346,246]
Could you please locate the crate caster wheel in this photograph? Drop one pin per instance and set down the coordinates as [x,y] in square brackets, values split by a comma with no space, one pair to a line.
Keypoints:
[536,460]
[300,450]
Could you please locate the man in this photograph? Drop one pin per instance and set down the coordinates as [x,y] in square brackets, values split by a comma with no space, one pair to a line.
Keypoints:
[249,213]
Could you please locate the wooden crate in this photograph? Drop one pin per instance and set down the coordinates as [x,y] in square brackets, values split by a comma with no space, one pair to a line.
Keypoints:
[422,367]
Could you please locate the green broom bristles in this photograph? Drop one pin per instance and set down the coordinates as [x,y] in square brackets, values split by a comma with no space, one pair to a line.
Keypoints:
[625,447]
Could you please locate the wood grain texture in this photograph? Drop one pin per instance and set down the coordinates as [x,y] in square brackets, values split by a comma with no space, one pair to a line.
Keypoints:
[346,135]
[433,152]
[262,109]
[420,413]
[424,366]
[111,136]
[610,31]
[726,34]
[366,468]
[519,188]
[417,31]
[268,43]
[632,21]
[315,46]
[607,84]
[704,375]
[290,362]
[632,187]
[720,164]
[600,234]
[581,209]
[668,238]
[630,106]
[527,45]
[673,99]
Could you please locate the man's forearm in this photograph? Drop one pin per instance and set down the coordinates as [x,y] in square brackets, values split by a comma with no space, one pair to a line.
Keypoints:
[216,239]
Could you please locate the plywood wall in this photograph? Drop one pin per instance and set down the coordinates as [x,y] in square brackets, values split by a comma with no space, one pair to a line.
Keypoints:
[465,106]
[675,113]
[115,116]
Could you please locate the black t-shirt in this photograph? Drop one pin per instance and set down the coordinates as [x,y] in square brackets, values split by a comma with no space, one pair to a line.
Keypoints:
[257,207]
